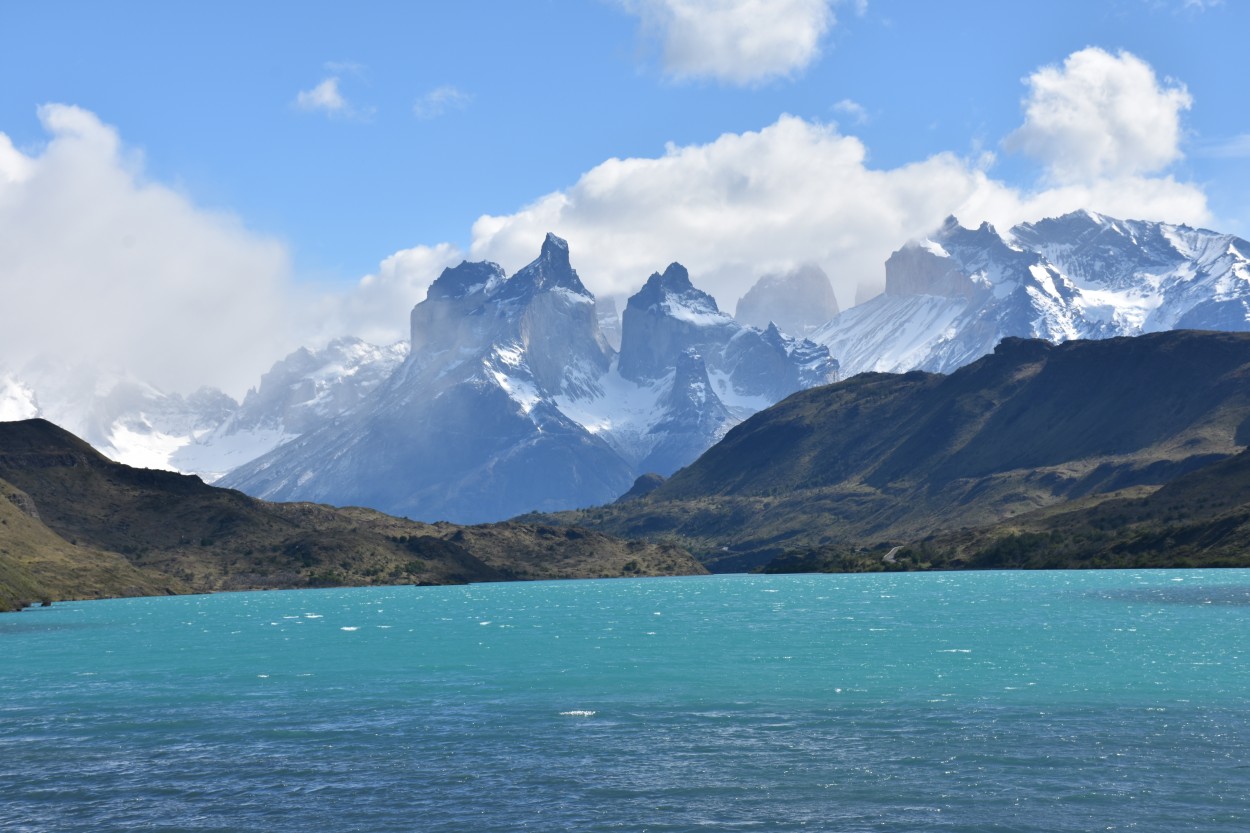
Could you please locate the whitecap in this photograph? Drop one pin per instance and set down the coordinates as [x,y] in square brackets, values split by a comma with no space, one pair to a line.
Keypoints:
[955,651]
[578,713]
[312,615]
[349,628]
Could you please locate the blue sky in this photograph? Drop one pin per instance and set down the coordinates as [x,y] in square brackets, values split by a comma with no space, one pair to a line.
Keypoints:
[332,158]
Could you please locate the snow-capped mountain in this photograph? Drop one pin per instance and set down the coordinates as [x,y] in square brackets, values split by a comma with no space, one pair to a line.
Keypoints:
[206,433]
[952,297]
[799,302]
[512,399]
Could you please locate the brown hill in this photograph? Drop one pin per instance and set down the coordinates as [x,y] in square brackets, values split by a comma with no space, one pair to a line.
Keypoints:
[76,524]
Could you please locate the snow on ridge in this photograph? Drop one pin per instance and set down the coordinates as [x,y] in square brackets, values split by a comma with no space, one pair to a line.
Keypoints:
[697,314]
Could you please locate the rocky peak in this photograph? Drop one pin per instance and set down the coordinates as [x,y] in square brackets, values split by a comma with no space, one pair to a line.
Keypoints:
[798,301]
[466,279]
[550,271]
[665,317]
[662,291]
[926,268]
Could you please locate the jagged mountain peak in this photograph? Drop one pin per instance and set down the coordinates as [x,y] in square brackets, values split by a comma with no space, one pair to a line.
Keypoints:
[466,279]
[551,270]
[676,278]
[951,297]
[673,293]
[555,248]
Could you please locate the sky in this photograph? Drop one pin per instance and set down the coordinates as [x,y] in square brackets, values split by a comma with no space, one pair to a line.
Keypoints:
[189,191]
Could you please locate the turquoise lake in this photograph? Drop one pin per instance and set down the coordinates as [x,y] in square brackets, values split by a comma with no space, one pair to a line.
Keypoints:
[1003,701]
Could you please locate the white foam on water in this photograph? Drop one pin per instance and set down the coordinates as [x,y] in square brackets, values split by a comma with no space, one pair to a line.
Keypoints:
[955,651]
[312,615]
[578,713]
[349,628]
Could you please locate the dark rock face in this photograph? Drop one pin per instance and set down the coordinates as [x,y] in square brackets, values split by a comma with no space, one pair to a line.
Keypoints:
[799,301]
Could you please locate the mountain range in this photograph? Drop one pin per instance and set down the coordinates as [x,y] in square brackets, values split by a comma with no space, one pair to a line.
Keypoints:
[951,297]
[511,398]
[527,393]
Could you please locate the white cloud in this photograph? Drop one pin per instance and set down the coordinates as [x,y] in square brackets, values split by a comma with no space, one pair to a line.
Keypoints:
[98,264]
[737,41]
[14,166]
[440,101]
[853,109]
[746,204]
[1101,115]
[377,308]
[325,97]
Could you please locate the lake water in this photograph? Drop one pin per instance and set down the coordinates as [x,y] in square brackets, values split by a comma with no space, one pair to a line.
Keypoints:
[1049,701]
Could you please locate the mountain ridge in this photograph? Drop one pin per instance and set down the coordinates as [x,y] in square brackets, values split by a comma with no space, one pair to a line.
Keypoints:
[523,404]
[897,457]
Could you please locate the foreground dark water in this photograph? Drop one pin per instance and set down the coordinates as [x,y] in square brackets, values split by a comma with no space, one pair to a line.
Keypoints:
[1004,701]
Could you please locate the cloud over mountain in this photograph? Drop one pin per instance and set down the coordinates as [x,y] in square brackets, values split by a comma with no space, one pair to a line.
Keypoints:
[100,263]
[802,191]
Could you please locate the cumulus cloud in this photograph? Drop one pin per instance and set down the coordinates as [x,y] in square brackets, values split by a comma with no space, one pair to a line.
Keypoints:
[439,101]
[740,42]
[328,98]
[1101,115]
[796,191]
[324,97]
[98,264]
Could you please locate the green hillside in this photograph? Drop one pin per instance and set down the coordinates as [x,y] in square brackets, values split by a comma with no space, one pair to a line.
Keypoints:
[76,525]
[882,460]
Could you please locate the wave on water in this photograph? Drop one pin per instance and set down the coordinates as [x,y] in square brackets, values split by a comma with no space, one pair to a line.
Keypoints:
[578,713]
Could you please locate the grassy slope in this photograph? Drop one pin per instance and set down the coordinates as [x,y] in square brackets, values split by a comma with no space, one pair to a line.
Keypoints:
[38,565]
[181,534]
